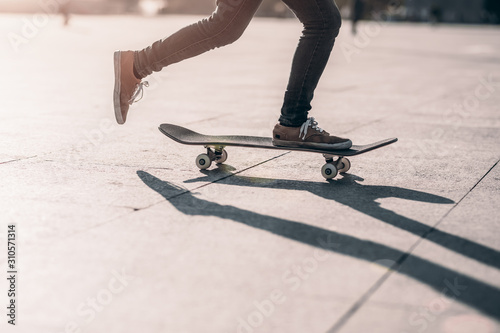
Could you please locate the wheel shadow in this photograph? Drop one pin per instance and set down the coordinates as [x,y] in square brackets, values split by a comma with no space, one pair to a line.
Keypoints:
[469,290]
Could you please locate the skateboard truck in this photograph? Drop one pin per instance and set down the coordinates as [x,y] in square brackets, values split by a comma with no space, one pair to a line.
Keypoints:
[332,167]
[217,154]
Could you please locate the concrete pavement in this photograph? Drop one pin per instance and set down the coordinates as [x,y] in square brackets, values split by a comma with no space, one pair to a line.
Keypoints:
[118,231]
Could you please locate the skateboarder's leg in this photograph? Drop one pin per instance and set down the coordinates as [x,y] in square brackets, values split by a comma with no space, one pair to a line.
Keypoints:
[322,21]
[224,26]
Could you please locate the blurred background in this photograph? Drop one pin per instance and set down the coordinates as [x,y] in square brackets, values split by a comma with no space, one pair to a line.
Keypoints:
[446,11]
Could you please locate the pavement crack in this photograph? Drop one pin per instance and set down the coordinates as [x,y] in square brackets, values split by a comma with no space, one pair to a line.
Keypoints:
[133,210]
[218,180]
[236,173]
[367,124]
[115,165]
[19,159]
[208,119]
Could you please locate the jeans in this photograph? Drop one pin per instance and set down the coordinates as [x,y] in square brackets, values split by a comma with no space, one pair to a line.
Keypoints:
[320,18]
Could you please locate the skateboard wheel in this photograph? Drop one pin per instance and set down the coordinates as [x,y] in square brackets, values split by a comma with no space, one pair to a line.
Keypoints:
[222,157]
[329,171]
[344,165]
[203,161]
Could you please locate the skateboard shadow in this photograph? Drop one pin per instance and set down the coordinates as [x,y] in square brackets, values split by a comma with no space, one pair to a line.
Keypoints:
[471,291]
[363,198]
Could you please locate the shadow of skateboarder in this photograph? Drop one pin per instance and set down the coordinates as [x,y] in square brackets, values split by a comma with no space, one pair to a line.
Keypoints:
[469,290]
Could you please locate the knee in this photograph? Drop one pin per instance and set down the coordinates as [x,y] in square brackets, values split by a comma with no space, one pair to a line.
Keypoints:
[332,20]
[327,21]
[222,27]
[227,35]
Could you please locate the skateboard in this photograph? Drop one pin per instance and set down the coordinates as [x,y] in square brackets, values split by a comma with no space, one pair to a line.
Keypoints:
[336,160]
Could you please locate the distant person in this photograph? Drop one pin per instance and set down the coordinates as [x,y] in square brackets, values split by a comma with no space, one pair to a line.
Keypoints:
[64,10]
[435,14]
[492,8]
[321,20]
[358,9]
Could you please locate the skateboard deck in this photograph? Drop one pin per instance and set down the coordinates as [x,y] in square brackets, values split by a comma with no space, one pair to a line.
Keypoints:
[215,145]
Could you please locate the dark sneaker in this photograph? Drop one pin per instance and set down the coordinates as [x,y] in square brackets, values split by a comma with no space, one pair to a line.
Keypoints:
[127,86]
[309,135]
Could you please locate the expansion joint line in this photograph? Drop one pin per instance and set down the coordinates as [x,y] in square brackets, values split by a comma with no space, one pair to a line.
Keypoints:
[394,268]
[221,179]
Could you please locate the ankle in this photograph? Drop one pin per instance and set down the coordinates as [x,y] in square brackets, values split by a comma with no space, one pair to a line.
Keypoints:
[285,125]
[136,74]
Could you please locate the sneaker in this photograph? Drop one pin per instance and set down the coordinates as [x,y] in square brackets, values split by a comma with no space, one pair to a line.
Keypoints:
[309,135]
[127,86]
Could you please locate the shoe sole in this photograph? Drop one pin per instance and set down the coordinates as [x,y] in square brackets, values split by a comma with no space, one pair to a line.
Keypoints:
[116,92]
[313,145]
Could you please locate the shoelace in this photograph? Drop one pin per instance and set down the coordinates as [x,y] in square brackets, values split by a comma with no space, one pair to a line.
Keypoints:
[310,122]
[139,90]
